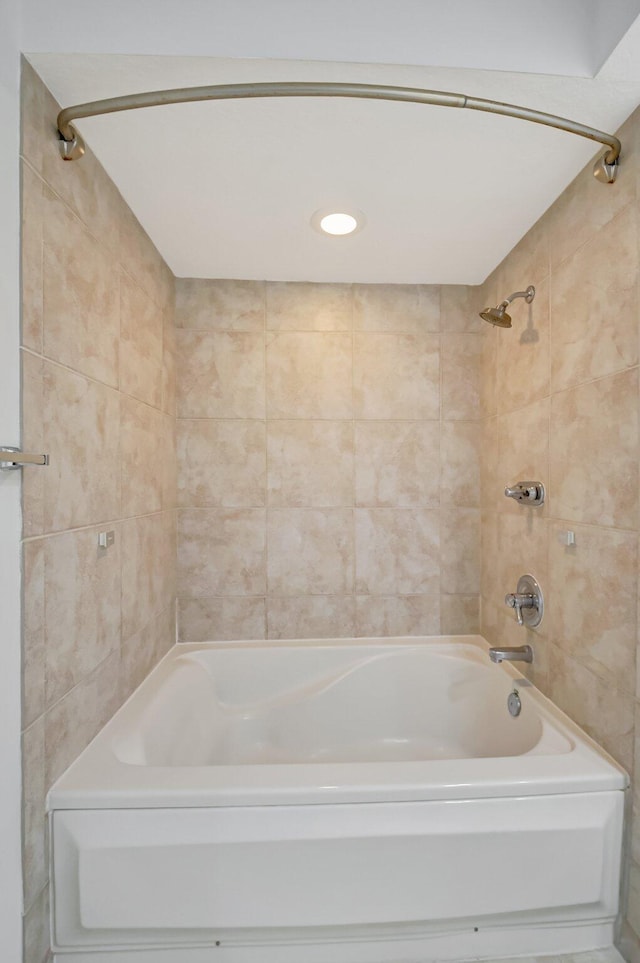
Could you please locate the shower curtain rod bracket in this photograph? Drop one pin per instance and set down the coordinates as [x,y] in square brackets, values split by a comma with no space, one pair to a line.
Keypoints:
[71,149]
[605,173]
[72,145]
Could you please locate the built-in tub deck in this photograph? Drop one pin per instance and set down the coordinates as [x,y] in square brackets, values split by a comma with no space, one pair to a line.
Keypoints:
[374,796]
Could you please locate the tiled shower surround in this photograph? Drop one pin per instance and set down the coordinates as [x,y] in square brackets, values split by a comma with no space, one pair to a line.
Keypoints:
[328,447]
[98,396]
[560,405]
[341,456]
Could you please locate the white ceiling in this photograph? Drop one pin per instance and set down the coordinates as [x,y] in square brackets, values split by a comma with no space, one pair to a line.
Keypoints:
[227,189]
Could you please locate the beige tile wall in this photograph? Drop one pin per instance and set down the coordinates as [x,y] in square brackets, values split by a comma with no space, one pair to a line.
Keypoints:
[560,404]
[99,397]
[328,459]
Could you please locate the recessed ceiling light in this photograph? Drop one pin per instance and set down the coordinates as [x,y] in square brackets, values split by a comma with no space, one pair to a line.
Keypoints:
[338,223]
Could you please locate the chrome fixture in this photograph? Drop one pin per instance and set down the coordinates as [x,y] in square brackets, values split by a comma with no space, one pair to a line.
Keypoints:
[12,458]
[72,145]
[514,703]
[527,493]
[527,601]
[514,653]
[499,316]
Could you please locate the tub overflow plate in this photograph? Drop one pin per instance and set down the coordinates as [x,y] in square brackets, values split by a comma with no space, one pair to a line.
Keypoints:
[514,703]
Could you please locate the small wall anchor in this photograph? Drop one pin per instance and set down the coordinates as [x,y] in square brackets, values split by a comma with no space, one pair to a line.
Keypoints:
[527,492]
[567,538]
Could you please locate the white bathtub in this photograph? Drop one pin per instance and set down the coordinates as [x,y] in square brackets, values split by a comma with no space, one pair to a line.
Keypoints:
[339,801]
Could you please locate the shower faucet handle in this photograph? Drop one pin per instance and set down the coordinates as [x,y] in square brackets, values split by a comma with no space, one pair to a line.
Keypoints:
[519,601]
[527,601]
[527,492]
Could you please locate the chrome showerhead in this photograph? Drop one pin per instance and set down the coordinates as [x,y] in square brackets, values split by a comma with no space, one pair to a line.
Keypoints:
[499,316]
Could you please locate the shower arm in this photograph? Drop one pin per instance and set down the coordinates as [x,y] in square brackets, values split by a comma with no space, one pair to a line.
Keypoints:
[72,145]
[528,295]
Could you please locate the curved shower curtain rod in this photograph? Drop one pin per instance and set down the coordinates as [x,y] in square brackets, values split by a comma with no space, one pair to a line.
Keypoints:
[72,145]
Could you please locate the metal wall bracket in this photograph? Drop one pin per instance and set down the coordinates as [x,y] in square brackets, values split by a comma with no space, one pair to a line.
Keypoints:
[605,173]
[12,458]
[71,149]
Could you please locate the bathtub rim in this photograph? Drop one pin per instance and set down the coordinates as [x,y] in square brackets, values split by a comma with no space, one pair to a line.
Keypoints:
[97,779]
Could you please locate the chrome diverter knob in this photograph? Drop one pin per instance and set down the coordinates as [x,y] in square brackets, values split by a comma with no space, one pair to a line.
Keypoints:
[527,492]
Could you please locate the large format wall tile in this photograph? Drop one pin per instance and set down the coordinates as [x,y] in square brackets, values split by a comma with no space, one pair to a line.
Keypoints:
[169,459]
[299,306]
[82,435]
[459,614]
[310,464]
[397,551]
[594,452]
[33,623]
[460,307]
[31,259]
[309,375]
[397,464]
[460,551]
[222,619]
[34,483]
[80,299]
[594,300]
[492,482]
[221,375]
[33,812]
[221,552]
[592,601]
[169,351]
[71,723]
[141,336]
[82,608]
[142,651]
[310,551]
[147,549]
[382,616]
[523,353]
[220,305]
[143,455]
[36,930]
[606,714]
[311,617]
[407,308]
[222,464]
[141,260]
[460,448]
[460,361]
[396,376]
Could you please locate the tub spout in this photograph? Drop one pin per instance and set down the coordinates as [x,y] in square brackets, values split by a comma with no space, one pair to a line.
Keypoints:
[517,653]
